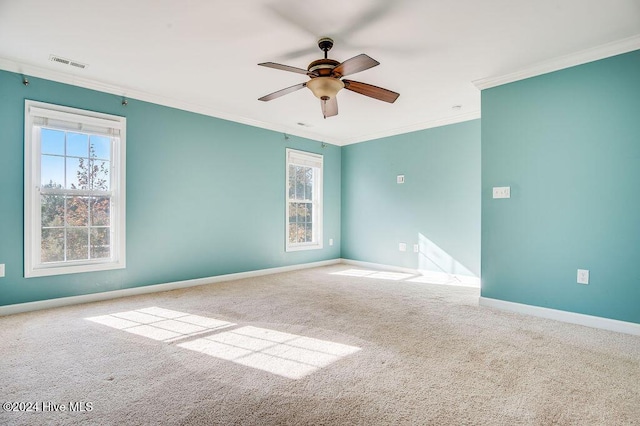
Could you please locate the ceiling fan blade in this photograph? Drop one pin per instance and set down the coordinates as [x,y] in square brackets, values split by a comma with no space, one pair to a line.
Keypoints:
[378,10]
[295,54]
[288,68]
[282,92]
[356,64]
[297,15]
[329,107]
[371,91]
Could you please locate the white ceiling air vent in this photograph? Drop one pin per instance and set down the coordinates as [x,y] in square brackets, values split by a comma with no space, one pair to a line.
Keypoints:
[58,59]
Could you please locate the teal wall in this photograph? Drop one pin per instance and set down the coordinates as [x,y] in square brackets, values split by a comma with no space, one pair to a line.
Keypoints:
[437,207]
[568,144]
[205,196]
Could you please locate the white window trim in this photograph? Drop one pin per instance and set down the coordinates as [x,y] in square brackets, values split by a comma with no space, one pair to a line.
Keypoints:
[304,158]
[32,214]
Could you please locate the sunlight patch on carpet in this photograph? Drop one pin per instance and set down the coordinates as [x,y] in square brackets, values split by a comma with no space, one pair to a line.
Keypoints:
[427,277]
[160,324]
[355,272]
[430,277]
[284,354]
[381,275]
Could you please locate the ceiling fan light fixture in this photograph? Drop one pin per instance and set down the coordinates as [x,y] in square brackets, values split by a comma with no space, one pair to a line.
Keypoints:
[325,87]
[326,75]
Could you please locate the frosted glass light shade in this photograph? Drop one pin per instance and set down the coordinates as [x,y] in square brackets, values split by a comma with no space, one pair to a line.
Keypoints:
[325,87]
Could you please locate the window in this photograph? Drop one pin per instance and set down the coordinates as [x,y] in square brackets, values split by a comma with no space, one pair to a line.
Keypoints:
[74,190]
[304,200]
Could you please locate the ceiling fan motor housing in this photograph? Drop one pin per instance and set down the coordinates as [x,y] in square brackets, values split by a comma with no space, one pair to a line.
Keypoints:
[322,67]
[324,86]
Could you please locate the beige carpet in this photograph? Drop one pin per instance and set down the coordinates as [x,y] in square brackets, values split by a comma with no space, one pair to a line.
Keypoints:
[358,350]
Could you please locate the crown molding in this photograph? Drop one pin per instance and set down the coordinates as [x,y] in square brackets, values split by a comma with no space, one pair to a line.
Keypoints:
[459,118]
[589,55]
[582,57]
[59,77]
[72,79]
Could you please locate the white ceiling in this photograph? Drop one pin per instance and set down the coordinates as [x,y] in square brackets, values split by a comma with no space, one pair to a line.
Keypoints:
[202,55]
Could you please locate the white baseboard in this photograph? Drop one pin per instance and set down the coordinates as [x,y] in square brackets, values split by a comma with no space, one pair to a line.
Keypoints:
[563,316]
[155,288]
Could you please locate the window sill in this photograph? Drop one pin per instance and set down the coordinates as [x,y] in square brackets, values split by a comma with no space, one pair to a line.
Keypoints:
[302,247]
[72,269]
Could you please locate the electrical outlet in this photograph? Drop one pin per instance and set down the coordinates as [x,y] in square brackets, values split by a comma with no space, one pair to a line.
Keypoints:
[501,192]
[402,246]
[416,248]
[583,276]
[400,179]
[1,270]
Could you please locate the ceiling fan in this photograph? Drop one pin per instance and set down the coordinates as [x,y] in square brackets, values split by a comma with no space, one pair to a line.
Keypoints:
[326,79]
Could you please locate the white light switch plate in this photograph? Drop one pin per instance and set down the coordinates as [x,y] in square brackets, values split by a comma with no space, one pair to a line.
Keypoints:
[330,241]
[400,179]
[501,192]
[402,246]
[2,270]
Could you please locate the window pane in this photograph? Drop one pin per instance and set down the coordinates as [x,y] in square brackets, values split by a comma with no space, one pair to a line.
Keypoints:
[100,211]
[303,212]
[77,145]
[308,213]
[292,233]
[52,172]
[77,211]
[77,243]
[100,147]
[52,141]
[99,175]
[308,182]
[300,230]
[293,211]
[77,173]
[52,245]
[52,210]
[100,248]
[299,183]
[308,237]
[292,181]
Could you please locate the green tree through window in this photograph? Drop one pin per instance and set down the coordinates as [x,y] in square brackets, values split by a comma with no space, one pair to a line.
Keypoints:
[75,214]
